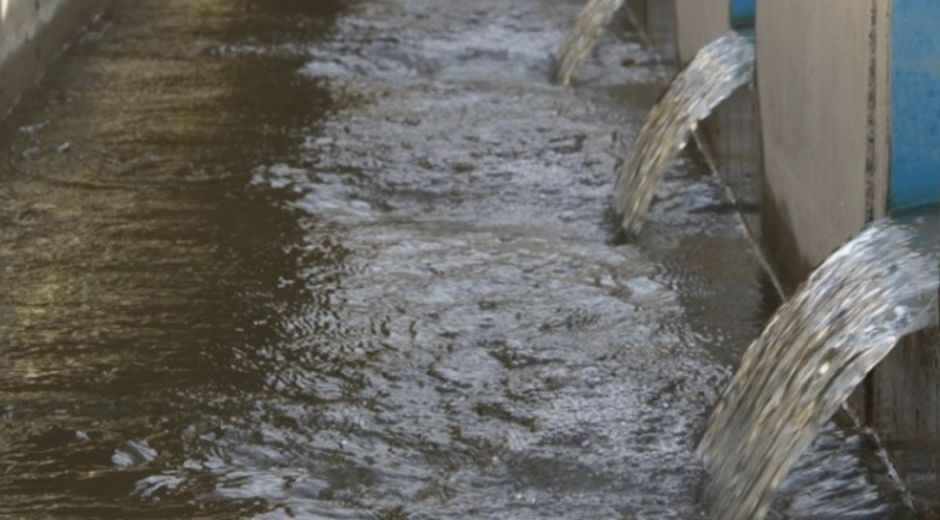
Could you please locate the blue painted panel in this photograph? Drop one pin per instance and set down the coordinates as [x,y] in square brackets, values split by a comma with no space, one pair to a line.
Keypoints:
[742,13]
[915,103]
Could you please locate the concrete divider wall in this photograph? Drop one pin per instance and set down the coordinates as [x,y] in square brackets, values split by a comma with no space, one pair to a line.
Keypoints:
[810,147]
[825,95]
[32,32]
[658,20]
[824,126]
[19,21]
[699,22]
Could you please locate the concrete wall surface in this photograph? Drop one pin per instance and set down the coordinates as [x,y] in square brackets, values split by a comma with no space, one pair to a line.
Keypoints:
[824,126]
[657,19]
[810,149]
[903,406]
[679,28]
[20,20]
[699,22]
[32,32]
[825,111]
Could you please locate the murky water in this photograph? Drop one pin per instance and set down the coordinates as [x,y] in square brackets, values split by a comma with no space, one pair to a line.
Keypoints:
[336,259]
[818,347]
[588,27]
[717,70]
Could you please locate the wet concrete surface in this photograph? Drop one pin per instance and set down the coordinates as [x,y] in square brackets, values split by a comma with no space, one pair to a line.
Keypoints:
[356,260]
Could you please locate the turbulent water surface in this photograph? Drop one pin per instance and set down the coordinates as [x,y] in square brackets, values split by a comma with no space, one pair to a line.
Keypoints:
[717,70]
[820,345]
[352,259]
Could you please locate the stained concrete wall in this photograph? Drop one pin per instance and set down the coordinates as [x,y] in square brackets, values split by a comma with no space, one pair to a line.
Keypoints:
[809,147]
[19,21]
[657,19]
[825,118]
[824,107]
[699,22]
[824,125]
[32,33]
[903,406]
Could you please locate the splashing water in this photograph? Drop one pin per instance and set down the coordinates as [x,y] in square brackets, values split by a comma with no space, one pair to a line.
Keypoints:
[714,74]
[818,347]
[588,28]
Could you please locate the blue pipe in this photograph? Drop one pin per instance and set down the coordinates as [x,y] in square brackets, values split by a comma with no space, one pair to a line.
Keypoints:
[743,13]
[915,104]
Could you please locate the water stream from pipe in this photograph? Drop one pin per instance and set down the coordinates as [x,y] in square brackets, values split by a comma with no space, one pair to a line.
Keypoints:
[819,346]
[588,29]
[719,68]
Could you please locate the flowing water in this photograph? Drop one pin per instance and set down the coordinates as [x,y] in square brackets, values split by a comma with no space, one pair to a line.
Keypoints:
[719,68]
[351,259]
[813,353]
[580,41]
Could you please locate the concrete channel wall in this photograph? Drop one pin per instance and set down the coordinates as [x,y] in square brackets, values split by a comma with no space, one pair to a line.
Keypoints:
[701,21]
[823,108]
[807,152]
[32,34]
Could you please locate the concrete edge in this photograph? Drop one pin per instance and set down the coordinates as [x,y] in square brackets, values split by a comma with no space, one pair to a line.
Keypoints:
[25,64]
